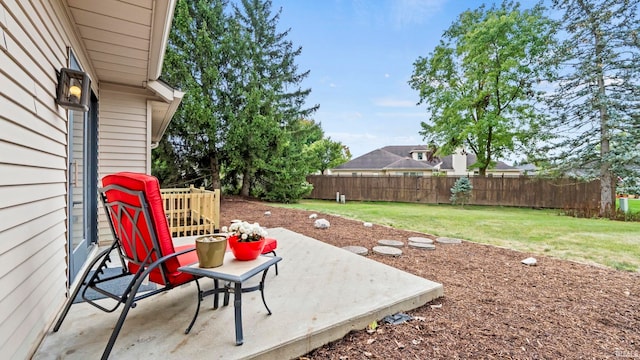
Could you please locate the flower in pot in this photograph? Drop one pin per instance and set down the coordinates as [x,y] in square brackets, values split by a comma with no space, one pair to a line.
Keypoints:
[245,240]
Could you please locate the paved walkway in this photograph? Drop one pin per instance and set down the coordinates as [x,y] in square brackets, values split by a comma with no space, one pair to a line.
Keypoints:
[321,294]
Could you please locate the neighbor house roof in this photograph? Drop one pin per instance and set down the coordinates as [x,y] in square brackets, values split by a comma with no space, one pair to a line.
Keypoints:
[407,163]
[381,158]
[399,157]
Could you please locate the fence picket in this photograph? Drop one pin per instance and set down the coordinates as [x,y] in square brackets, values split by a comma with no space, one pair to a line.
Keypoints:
[502,191]
[191,211]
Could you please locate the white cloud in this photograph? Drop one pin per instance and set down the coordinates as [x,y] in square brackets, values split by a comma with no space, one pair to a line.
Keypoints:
[407,12]
[348,137]
[406,140]
[332,85]
[387,76]
[401,114]
[338,116]
[393,102]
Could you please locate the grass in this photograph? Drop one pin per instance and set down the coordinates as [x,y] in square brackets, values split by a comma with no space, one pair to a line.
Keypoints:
[614,244]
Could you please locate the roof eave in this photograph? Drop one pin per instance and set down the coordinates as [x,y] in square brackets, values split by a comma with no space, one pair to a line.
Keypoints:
[162,113]
[160,29]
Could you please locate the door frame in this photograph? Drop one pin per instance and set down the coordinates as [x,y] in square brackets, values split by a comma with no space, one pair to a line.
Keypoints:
[78,255]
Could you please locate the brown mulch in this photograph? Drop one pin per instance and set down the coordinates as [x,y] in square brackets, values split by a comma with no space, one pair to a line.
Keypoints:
[494,306]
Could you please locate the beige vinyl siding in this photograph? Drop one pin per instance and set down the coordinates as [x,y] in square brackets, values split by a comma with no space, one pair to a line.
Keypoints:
[123,139]
[33,173]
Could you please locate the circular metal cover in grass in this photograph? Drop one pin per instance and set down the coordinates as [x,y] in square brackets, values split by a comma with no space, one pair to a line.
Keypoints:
[393,243]
[387,250]
[422,246]
[446,240]
[360,250]
[420,240]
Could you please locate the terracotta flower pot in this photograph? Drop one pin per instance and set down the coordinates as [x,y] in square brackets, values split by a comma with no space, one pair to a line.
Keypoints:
[245,251]
[210,250]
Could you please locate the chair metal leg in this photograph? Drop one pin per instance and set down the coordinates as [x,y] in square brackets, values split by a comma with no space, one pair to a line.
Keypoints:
[123,316]
[200,296]
[131,299]
[81,283]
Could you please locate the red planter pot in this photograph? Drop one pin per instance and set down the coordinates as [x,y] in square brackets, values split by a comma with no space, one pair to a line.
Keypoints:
[245,251]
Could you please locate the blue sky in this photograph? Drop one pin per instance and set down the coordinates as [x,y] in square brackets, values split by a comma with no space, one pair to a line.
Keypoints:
[361,54]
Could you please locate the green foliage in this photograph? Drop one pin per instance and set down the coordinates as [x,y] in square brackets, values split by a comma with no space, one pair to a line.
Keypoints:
[283,179]
[242,101]
[610,243]
[285,183]
[461,191]
[595,122]
[326,154]
[479,82]
[270,101]
[165,166]
[194,60]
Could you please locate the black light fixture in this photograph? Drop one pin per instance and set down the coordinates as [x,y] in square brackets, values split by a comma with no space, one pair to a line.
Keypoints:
[73,90]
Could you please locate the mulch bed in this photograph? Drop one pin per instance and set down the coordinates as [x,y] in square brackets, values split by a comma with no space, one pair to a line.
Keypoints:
[494,306]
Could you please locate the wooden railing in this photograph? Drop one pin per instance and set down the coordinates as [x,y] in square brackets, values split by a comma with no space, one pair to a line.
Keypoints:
[191,211]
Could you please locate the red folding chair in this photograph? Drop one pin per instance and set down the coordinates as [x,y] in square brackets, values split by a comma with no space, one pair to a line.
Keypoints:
[142,243]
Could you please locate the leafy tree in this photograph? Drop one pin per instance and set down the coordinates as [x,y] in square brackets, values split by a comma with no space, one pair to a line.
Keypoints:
[461,191]
[479,82]
[321,153]
[307,131]
[596,122]
[165,165]
[270,98]
[242,94]
[326,154]
[197,52]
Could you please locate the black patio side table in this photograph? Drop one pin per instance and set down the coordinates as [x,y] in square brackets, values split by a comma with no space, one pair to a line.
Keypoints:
[236,272]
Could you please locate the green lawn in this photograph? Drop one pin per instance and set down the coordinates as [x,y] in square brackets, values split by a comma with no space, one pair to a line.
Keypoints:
[611,243]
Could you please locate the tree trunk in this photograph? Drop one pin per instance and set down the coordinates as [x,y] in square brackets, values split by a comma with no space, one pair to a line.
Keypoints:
[605,172]
[215,173]
[246,183]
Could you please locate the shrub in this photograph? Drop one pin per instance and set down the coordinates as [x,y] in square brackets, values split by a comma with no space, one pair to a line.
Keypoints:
[461,191]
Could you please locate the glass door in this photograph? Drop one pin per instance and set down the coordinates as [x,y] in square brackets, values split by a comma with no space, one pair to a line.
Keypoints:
[78,245]
[82,183]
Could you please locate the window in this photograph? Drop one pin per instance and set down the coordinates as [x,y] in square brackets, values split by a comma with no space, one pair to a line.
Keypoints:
[420,156]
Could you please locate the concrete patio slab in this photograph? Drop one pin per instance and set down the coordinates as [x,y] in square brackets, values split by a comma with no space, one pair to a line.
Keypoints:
[321,293]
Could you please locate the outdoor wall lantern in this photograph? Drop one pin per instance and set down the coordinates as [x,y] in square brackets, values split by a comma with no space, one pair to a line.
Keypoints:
[73,90]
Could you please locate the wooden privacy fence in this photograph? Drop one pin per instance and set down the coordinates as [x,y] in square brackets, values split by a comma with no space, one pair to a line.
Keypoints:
[503,191]
[191,211]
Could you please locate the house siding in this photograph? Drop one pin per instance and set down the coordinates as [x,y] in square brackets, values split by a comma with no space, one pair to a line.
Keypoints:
[33,172]
[123,140]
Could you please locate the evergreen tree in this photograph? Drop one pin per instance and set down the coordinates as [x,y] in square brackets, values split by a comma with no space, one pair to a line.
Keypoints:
[595,125]
[461,191]
[197,52]
[271,99]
